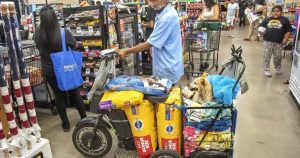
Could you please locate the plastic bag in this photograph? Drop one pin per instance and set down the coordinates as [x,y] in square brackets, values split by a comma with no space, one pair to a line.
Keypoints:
[122,99]
[143,126]
[222,88]
[169,122]
[150,85]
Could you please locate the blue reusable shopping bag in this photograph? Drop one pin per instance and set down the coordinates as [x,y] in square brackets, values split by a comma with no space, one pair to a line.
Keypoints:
[67,66]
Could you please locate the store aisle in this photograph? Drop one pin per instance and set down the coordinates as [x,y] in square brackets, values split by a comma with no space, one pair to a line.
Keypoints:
[268,121]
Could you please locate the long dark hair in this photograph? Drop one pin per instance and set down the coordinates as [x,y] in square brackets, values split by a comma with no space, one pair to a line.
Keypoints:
[209,3]
[48,37]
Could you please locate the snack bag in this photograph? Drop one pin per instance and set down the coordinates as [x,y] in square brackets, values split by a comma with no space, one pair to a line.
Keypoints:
[143,126]
[122,99]
[169,122]
[215,140]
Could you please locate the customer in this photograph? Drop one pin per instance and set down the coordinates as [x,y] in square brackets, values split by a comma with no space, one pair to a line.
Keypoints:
[210,11]
[165,41]
[276,30]
[260,7]
[48,40]
[243,5]
[149,23]
[232,16]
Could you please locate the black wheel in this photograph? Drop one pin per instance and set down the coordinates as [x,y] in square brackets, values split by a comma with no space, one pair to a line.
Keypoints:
[53,110]
[165,153]
[82,140]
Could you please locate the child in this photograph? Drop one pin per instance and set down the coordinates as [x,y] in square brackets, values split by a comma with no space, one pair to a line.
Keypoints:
[232,15]
[276,32]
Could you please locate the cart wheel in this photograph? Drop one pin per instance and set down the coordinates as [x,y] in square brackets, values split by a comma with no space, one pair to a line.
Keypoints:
[165,153]
[54,111]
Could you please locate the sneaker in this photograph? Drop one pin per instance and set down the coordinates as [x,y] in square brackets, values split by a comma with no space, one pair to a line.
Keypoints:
[267,73]
[231,36]
[278,71]
[66,127]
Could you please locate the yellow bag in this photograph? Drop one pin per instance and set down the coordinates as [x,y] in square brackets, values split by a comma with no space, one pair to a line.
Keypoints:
[122,99]
[215,140]
[169,123]
[143,127]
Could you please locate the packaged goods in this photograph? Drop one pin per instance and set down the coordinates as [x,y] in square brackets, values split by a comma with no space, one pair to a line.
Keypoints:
[122,99]
[143,125]
[169,122]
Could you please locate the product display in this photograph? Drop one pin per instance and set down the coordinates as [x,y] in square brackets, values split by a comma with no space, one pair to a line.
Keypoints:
[18,67]
[143,126]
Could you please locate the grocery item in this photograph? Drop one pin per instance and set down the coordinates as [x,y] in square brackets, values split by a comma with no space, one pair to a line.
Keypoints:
[169,123]
[142,121]
[123,99]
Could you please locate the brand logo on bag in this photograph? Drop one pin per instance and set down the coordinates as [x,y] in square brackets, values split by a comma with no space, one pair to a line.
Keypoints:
[68,68]
[138,124]
[169,129]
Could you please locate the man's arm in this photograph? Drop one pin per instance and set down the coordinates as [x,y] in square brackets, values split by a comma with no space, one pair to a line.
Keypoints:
[150,24]
[138,48]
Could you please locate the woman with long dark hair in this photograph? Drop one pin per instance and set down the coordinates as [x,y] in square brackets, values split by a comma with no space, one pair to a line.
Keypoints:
[210,11]
[48,40]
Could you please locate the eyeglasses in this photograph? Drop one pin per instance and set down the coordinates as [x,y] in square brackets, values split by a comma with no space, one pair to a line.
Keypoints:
[276,10]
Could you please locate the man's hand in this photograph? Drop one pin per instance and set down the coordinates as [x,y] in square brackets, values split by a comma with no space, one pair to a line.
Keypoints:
[236,19]
[122,52]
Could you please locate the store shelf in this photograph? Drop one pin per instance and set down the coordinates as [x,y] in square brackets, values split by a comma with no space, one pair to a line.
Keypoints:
[82,18]
[84,27]
[87,36]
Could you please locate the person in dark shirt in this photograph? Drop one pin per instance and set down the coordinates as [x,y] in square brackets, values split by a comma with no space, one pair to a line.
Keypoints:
[243,5]
[48,40]
[276,32]
[149,24]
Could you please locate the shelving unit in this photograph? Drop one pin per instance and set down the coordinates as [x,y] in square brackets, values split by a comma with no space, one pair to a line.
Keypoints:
[87,26]
[127,34]
[58,11]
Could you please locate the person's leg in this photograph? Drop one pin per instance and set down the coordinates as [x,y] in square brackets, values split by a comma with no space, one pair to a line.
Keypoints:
[60,101]
[244,19]
[267,57]
[255,30]
[78,102]
[251,28]
[277,57]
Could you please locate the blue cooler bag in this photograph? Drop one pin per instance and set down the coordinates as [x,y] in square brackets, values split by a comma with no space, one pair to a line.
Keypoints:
[67,66]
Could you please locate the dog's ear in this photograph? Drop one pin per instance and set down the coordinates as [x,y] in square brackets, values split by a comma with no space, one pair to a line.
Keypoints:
[202,81]
[204,75]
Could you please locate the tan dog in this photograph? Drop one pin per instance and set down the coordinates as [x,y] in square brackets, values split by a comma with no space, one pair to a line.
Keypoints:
[201,88]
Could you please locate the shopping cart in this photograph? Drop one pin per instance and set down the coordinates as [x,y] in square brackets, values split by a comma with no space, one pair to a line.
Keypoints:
[202,47]
[40,88]
[209,142]
[92,138]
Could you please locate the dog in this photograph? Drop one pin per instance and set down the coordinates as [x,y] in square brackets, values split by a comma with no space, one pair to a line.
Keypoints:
[199,90]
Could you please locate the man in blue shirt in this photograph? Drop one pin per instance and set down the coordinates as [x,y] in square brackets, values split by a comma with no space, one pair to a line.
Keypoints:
[165,41]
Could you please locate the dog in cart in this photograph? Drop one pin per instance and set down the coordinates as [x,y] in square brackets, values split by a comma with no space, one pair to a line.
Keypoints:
[92,136]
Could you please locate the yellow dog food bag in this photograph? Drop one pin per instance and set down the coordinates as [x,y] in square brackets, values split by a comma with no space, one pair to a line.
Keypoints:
[143,126]
[169,122]
[122,99]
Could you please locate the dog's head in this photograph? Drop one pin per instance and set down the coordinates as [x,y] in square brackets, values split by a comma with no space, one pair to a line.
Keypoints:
[198,83]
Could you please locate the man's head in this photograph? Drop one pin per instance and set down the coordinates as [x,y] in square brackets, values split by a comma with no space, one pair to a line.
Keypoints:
[232,1]
[276,11]
[158,4]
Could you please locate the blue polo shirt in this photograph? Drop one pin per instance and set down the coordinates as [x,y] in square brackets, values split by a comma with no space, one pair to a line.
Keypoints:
[166,46]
